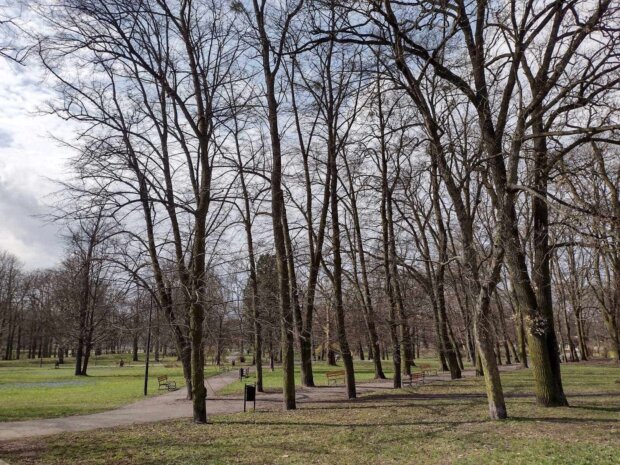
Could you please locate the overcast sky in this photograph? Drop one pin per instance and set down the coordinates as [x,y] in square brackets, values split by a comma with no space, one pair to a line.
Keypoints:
[29,158]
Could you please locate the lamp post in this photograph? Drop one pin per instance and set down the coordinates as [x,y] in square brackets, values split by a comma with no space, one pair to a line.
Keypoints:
[148,349]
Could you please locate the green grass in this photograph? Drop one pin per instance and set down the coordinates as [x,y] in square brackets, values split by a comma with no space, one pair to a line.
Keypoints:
[440,423]
[272,380]
[29,391]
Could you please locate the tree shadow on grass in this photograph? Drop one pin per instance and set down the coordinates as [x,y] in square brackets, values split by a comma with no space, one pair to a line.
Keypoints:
[319,406]
[597,408]
[445,424]
[562,419]
[430,422]
[477,395]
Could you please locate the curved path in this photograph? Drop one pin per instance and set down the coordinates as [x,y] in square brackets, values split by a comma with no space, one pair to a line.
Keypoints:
[174,405]
[157,408]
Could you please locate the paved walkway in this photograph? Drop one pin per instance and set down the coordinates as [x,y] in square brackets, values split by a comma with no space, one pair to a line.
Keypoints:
[157,408]
[174,405]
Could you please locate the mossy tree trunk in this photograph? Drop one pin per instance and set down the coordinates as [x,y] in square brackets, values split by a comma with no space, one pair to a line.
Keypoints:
[485,342]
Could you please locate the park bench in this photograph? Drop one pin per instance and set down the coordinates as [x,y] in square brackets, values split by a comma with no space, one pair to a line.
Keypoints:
[165,383]
[334,376]
[244,373]
[414,378]
[428,369]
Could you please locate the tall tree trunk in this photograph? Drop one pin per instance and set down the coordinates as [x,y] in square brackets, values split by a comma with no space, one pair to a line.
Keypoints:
[19,342]
[304,322]
[199,392]
[583,347]
[347,358]
[504,330]
[367,303]
[134,350]
[254,303]
[456,345]
[484,342]
[521,336]
[543,342]
[446,343]
[497,408]
[277,209]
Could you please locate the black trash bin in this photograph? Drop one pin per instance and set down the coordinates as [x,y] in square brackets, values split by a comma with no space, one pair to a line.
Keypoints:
[249,395]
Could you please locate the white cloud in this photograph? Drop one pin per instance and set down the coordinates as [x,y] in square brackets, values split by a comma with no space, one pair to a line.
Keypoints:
[29,160]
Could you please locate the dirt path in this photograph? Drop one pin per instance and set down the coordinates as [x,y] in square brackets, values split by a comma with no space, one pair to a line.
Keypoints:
[174,405]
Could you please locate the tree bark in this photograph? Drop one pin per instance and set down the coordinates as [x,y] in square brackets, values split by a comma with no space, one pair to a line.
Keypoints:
[277,209]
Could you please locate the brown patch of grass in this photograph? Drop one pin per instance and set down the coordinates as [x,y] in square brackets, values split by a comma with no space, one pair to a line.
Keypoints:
[440,423]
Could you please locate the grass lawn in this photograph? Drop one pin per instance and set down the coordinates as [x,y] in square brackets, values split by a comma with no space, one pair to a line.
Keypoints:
[29,391]
[272,380]
[440,423]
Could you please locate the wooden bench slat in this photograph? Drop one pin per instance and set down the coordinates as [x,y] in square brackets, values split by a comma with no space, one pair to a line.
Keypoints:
[334,376]
[428,369]
[165,383]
